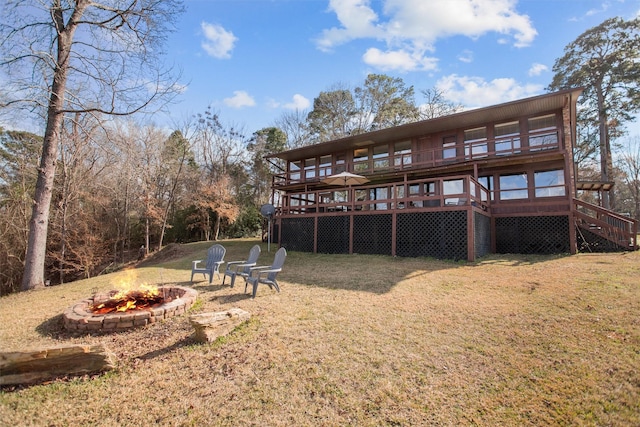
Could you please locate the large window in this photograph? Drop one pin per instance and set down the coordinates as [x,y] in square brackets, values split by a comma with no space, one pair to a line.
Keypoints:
[453,187]
[361,159]
[507,138]
[381,157]
[294,170]
[449,147]
[310,168]
[475,142]
[549,183]
[513,187]
[324,166]
[486,182]
[543,134]
[402,154]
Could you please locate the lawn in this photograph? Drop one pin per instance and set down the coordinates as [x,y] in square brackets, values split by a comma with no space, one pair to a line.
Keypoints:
[356,340]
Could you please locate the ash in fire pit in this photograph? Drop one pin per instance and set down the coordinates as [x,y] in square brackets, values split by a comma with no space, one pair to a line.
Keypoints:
[119,310]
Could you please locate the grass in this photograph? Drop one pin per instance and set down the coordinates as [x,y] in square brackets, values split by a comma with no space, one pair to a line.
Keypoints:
[357,340]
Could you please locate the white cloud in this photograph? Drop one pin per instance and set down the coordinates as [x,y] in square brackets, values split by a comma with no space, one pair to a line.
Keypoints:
[537,69]
[218,42]
[298,102]
[474,92]
[398,60]
[240,99]
[410,28]
[465,56]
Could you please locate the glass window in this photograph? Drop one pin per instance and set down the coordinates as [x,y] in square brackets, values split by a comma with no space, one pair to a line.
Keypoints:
[475,142]
[360,159]
[340,162]
[449,147]
[294,170]
[381,157]
[513,187]
[539,136]
[310,168]
[549,183]
[453,186]
[542,122]
[507,138]
[486,182]
[325,166]
[402,153]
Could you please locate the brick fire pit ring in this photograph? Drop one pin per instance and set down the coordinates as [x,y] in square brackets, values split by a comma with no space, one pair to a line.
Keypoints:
[80,317]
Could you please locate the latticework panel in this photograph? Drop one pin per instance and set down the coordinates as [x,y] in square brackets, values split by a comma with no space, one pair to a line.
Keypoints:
[372,234]
[333,234]
[533,235]
[297,234]
[591,242]
[435,234]
[482,237]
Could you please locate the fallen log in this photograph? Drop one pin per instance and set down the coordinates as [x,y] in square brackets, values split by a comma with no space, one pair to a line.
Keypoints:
[209,326]
[32,367]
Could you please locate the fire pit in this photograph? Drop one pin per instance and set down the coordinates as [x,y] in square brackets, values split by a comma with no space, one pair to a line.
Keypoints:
[118,310]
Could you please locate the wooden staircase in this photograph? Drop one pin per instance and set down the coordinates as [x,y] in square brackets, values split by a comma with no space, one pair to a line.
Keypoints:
[601,228]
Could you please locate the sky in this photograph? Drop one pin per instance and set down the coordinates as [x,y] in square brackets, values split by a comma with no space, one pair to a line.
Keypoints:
[253,60]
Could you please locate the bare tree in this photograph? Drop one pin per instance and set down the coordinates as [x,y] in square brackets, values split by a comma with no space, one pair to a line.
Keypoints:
[437,105]
[86,56]
[629,163]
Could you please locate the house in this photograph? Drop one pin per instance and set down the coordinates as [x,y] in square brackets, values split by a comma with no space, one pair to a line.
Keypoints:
[499,179]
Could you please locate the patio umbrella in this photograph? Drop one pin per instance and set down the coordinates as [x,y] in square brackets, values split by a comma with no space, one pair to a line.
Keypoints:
[345,179]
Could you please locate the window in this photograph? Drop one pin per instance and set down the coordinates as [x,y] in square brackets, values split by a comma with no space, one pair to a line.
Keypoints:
[543,133]
[310,168]
[453,186]
[549,183]
[340,163]
[513,187]
[507,138]
[449,147]
[381,157]
[475,142]
[325,166]
[361,159]
[380,193]
[294,170]
[486,182]
[402,154]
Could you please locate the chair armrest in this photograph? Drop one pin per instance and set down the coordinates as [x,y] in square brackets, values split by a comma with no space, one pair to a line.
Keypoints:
[195,263]
[269,270]
[230,263]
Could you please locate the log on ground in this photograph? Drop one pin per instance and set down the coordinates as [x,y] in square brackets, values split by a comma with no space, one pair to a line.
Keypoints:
[209,326]
[32,367]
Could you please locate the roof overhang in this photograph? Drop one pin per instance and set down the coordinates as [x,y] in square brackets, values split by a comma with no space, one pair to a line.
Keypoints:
[466,119]
[594,185]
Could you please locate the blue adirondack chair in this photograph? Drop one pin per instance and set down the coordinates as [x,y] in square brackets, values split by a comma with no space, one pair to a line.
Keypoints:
[266,274]
[241,268]
[215,257]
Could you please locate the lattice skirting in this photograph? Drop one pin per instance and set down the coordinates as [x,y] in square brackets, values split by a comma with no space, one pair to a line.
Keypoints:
[297,234]
[591,242]
[482,237]
[434,234]
[533,235]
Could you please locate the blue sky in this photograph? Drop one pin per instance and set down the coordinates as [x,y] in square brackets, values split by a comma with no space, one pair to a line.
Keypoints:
[252,60]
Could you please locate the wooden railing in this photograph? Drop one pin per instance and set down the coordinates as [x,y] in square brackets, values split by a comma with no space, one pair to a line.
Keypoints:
[406,161]
[618,229]
[423,194]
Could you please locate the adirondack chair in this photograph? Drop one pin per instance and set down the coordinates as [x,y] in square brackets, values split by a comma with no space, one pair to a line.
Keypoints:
[215,257]
[241,268]
[266,274]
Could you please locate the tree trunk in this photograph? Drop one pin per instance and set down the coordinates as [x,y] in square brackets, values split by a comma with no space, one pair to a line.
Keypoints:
[604,142]
[33,276]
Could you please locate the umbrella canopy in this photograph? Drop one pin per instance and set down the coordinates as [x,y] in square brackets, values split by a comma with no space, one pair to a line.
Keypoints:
[345,179]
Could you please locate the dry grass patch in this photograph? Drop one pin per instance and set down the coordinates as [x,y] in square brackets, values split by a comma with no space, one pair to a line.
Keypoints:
[360,340]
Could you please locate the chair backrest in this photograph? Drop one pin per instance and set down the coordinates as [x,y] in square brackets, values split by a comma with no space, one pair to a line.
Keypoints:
[254,253]
[215,254]
[278,262]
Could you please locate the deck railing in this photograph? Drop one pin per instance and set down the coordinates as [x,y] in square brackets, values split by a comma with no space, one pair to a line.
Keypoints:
[616,228]
[408,161]
[454,191]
